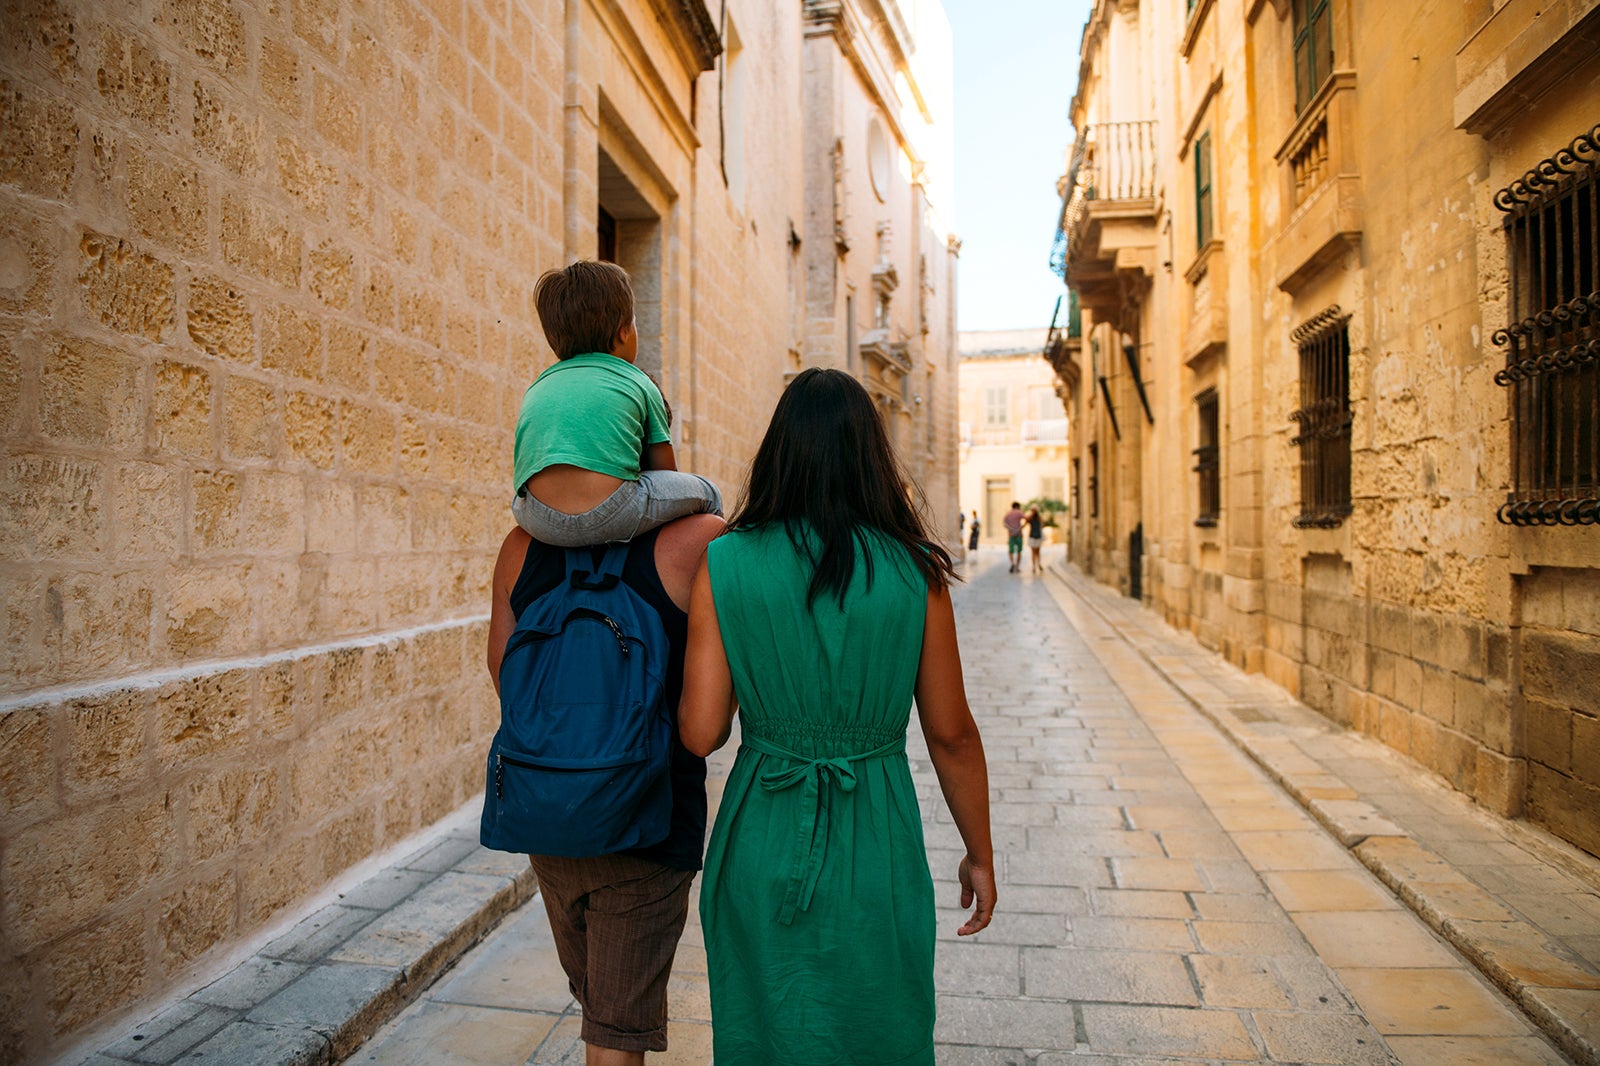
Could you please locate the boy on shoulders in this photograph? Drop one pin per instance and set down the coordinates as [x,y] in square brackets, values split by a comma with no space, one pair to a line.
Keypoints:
[593,460]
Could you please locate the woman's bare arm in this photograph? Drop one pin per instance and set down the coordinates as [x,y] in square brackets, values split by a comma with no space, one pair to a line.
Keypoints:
[513,551]
[957,753]
[705,712]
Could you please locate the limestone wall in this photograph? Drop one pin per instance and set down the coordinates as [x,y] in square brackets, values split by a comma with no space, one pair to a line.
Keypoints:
[1419,618]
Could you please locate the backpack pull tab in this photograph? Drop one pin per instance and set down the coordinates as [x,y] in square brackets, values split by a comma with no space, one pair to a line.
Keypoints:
[616,631]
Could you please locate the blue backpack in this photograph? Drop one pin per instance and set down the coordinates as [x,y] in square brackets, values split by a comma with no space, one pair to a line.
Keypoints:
[581,764]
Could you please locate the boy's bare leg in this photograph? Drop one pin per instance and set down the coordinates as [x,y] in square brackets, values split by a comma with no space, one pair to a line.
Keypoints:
[606,1056]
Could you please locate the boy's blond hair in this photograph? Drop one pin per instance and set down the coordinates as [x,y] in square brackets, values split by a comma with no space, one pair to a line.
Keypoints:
[583,306]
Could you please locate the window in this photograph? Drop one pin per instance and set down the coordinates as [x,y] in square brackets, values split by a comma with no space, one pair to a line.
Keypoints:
[1552,224]
[1324,419]
[1202,190]
[996,406]
[1051,488]
[1207,459]
[1094,480]
[606,237]
[1313,48]
[1077,477]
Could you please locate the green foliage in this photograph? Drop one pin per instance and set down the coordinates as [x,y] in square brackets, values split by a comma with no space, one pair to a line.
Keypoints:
[1049,508]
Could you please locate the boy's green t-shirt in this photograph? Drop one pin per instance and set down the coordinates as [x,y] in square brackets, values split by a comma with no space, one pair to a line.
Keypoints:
[594,411]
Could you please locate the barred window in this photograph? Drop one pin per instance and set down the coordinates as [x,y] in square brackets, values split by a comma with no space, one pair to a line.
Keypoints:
[1077,476]
[1094,480]
[1552,224]
[1324,419]
[1207,459]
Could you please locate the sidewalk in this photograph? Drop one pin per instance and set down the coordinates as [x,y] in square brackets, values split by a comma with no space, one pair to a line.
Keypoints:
[1523,905]
[1186,867]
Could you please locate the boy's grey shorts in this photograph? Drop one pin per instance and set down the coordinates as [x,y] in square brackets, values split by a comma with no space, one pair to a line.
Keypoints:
[658,497]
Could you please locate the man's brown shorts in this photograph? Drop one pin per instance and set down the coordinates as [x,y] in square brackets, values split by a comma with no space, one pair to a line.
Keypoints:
[616,921]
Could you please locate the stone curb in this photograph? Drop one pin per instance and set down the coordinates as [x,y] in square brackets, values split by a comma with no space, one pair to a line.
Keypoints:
[1514,954]
[315,994]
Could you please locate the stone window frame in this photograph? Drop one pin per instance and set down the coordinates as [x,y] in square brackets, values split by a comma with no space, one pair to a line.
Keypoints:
[1324,418]
[1208,457]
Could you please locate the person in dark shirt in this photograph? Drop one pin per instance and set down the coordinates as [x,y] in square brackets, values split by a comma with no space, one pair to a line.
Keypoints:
[617,918]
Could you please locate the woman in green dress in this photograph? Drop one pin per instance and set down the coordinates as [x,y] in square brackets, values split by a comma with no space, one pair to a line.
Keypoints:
[820,615]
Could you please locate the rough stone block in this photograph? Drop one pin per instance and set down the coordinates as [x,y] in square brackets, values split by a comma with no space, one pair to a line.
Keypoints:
[220,320]
[250,421]
[232,807]
[134,80]
[51,507]
[211,29]
[1462,644]
[258,241]
[28,772]
[199,717]
[97,623]
[149,512]
[1471,707]
[1564,805]
[105,742]
[182,415]
[332,275]
[280,77]
[1586,749]
[12,409]
[1395,726]
[196,917]
[38,142]
[273,876]
[92,395]
[166,203]
[103,964]
[1563,669]
[214,516]
[349,356]
[1500,783]
[208,610]
[304,177]
[275,504]
[1438,694]
[124,288]
[337,115]
[367,437]
[1547,732]
[225,134]
[1427,639]
[346,840]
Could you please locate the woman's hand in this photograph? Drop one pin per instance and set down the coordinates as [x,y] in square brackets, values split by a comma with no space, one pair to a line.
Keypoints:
[977,883]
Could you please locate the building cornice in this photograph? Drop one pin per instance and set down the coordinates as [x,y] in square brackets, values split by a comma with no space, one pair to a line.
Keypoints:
[697,28]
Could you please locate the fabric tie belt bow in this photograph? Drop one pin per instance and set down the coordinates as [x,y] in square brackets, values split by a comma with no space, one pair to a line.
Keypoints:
[814,776]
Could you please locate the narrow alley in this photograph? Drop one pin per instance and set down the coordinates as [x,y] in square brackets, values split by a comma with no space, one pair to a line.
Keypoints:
[1161,897]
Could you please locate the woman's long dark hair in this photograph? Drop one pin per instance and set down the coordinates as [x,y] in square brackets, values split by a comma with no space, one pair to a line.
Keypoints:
[826,464]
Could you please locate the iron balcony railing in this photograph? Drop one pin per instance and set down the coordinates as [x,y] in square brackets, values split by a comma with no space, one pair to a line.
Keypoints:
[1110,161]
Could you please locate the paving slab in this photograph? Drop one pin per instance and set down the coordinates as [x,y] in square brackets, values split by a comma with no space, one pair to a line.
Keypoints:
[1521,905]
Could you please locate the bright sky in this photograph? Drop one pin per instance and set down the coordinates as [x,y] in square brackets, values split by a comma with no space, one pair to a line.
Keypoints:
[1016,67]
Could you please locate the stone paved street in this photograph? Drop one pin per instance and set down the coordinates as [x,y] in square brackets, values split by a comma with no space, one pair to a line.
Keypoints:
[1161,899]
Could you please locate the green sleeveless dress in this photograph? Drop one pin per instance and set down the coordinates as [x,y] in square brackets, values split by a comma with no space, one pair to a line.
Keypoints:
[817,903]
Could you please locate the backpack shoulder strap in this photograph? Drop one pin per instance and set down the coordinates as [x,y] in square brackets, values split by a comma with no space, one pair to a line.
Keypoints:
[582,573]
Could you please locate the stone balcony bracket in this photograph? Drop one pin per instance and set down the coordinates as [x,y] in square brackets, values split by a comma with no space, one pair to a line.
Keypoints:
[1206,330]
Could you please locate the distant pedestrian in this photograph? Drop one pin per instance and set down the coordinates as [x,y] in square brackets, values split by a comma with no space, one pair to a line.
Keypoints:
[972,540]
[821,614]
[1035,536]
[1013,524]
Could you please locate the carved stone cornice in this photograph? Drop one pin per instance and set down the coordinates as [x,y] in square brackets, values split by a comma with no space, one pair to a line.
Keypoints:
[699,29]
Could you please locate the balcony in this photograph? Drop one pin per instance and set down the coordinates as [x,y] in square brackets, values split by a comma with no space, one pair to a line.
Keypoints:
[1109,213]
[1320,188]
[1042,431]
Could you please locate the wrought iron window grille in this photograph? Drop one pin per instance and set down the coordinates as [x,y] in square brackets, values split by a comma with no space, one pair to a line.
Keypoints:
[1207,457]
[1552,344]
[1324,419]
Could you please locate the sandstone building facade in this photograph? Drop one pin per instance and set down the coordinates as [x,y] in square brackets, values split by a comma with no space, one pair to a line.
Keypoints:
[1334,395]
[265,319]
[1013,428]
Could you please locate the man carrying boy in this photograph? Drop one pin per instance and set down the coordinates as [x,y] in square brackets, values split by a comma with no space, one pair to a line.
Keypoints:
[593,460]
